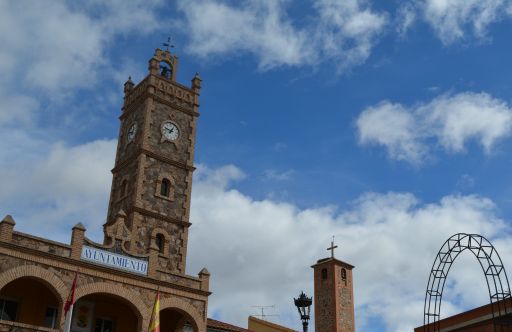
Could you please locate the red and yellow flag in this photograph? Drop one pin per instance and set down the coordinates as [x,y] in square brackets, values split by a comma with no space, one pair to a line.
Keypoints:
[154,323]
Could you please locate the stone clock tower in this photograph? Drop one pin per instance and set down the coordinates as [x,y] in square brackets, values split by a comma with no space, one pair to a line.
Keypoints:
[334,295]
[152,176]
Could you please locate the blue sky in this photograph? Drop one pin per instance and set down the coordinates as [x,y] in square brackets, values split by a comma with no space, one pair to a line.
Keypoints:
[386,124]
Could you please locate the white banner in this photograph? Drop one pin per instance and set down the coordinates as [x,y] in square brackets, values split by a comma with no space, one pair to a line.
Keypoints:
[117,261]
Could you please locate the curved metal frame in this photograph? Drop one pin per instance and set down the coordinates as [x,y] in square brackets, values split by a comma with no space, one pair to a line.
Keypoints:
[492,266]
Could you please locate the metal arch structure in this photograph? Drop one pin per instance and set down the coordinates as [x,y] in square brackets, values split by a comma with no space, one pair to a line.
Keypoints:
[494,271]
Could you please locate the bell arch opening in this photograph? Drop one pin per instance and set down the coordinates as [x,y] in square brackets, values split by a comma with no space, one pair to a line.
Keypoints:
[492,267]
[30,301]
[176,320]
[105,312]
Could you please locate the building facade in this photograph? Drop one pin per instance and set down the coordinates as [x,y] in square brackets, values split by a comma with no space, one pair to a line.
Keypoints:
[334,295]
[145,237]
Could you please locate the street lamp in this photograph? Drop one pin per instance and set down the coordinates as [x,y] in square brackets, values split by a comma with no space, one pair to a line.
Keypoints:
[303,304]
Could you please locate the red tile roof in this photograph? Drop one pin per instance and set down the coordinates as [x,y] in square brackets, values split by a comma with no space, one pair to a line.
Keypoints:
[215,324]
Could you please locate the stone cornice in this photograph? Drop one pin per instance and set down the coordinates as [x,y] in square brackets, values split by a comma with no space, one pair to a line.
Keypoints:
[158,216]
[154,155]
[168,160]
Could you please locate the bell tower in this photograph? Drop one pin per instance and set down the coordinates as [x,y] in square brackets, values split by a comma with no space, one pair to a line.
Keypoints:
[334,295]
[152,176]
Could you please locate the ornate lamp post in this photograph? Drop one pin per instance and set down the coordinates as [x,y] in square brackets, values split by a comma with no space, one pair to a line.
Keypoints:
[303,304]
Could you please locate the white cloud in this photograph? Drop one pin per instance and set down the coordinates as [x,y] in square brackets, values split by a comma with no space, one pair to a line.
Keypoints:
[15,108]
[260,251]
[52,187]
[343,31]
[405,17]
[456,119]
[347,30]
[449,120]
[259,27]
[280,146]
[51,50]
[466,181]
[455,20]
[274,175]
[393,126]
[56,46]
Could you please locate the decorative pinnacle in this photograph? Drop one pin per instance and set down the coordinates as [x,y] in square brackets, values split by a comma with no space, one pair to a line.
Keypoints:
[79,226]
[8,219]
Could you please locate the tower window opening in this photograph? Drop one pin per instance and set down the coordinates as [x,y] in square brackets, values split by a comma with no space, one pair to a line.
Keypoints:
[160,240]
[324,274]
[165,69]
[165,187]
[343,274]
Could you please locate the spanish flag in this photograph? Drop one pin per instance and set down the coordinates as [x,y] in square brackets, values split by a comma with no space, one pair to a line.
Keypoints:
[154,323]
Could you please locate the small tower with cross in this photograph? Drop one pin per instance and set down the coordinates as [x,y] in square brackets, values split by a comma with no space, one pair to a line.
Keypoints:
[334,294]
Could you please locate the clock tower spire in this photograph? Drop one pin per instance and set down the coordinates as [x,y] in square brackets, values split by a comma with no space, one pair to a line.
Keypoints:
[152,176]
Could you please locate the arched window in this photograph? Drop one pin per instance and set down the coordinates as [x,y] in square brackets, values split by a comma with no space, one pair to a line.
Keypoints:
[343,274]
[165,187]
[324,274]
[122,191]
[160,241]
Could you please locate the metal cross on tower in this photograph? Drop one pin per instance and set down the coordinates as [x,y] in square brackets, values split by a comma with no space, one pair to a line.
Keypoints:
[332,247]
[168,44]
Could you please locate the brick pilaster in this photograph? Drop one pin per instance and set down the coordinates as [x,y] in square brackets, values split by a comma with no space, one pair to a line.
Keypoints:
[154,251]
[6,228]
[77,240]
[204,275]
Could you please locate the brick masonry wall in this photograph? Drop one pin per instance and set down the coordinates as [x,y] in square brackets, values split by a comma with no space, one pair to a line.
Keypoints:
[334,297]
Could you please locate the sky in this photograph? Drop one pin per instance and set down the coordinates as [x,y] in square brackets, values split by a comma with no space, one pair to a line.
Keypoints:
[386,124]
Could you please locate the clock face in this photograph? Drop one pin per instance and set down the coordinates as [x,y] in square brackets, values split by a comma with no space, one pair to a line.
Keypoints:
[131,132]
[170,131]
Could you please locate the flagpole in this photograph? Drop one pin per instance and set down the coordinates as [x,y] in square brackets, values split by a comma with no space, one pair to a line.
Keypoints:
[68,306]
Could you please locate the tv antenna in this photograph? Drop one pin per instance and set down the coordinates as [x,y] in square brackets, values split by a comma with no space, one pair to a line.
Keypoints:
[263,308]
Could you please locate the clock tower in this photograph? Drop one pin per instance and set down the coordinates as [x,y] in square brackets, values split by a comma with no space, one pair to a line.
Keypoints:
[152,176]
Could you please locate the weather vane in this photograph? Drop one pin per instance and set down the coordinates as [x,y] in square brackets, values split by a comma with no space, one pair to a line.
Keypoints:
[168,44]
